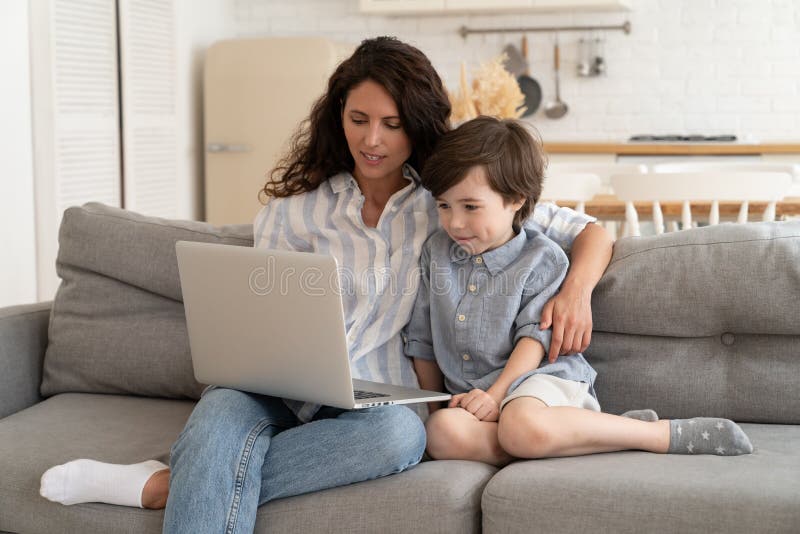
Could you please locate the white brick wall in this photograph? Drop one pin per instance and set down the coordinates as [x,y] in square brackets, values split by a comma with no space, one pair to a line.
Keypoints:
[689,66]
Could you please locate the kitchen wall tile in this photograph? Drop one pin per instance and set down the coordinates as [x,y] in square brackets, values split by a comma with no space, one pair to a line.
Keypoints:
[763,121]
[688,66]
[791,105]
[733,104]
[774,87]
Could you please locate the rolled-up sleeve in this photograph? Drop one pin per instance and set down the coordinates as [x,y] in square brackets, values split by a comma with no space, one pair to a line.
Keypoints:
[561,225]
[417,335]
[542,285]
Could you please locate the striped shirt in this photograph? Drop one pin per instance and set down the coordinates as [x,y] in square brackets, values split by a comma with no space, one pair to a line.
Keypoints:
[378,267]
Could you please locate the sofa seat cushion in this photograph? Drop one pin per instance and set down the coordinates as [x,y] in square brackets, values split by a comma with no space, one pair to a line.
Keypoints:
[108,428]
[632,492]
[433,496]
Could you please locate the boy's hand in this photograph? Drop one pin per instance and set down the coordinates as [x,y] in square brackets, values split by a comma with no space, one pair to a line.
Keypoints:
[479,403]
[570,314]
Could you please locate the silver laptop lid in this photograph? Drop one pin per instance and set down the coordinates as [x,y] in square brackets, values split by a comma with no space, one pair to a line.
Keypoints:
[259,320]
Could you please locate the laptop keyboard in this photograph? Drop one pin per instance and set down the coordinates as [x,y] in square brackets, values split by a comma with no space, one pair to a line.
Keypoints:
[359,394]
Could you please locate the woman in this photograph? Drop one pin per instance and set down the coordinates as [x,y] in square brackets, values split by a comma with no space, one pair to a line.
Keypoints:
[348,187]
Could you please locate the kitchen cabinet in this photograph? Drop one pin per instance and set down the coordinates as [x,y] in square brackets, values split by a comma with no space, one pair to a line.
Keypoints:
[434,7]
[402,6]
[478,5]
[581,5]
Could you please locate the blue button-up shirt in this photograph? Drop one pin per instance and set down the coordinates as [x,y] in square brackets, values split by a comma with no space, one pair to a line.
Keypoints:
[471,310]
[379,267]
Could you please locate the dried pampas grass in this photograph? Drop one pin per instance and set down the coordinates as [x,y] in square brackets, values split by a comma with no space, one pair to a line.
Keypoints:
[494,91]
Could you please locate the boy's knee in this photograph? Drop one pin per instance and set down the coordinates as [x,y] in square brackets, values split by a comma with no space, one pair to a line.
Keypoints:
[522,434]
[445,435]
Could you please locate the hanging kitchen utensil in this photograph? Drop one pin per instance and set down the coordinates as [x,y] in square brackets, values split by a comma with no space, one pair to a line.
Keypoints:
[530,88]
[556,109]
[584,58]
[598,61]
[515,64]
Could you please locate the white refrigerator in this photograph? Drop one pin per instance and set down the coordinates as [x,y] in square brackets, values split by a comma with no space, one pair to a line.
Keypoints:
[256,92]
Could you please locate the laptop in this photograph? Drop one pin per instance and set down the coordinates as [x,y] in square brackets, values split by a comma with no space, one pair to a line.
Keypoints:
[272,322]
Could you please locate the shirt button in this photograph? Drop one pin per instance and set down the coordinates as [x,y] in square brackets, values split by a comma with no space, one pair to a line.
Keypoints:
[466,357]
[478,260]
[473,288]
[462,317]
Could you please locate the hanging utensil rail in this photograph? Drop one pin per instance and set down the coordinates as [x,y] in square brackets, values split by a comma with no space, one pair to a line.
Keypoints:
[465,31]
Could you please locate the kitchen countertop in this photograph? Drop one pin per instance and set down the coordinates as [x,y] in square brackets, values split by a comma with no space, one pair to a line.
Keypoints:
[645,148]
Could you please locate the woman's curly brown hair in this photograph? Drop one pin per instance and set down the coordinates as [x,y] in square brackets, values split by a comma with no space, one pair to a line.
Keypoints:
[318,149]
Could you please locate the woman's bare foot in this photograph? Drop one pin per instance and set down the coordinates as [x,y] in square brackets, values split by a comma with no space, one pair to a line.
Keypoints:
[156,490]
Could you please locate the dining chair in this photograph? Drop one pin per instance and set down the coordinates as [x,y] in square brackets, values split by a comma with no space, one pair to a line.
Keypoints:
[563,183]
[734,166]
[603,170]
[575,187]
[686,187]
[725,166]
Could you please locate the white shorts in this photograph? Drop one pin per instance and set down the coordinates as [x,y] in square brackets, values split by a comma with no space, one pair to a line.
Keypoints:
[554,391]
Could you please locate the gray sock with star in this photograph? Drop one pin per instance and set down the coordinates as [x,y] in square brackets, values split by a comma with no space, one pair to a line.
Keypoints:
[641,415]
[707,435]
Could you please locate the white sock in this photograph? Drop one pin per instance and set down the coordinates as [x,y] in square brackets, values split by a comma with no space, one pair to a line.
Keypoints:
[90,481]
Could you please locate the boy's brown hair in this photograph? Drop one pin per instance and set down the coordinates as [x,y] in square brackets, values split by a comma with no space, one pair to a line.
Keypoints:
[511,155]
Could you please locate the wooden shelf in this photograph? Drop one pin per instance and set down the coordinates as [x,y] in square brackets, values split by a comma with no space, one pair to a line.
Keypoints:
[452,7]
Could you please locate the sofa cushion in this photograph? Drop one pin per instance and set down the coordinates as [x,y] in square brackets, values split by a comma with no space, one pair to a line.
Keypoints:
[632,492]
[433,496]
[118,324]
[702,322]
[109,428]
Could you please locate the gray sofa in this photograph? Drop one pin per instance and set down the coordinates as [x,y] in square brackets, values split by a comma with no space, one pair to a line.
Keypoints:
[702,322]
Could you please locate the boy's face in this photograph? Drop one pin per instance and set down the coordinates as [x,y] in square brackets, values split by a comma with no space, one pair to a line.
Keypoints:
[474,215]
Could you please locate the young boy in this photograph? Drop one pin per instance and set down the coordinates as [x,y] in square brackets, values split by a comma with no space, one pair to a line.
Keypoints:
[475,327]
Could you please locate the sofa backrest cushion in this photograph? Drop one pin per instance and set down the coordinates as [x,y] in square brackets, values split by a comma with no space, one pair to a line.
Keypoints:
[702,322]
[117,323]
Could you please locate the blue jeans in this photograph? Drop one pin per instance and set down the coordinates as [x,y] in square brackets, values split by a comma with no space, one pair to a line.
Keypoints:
[240,450]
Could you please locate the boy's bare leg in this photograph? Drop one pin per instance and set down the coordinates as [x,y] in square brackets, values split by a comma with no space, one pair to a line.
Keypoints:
[456,434]
[530,429]
[156,490]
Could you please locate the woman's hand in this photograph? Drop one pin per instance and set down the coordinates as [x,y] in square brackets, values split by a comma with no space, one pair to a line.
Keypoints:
[479,403]
[570,314]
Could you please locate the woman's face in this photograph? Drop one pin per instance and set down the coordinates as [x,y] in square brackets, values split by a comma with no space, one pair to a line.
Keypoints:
[376,138]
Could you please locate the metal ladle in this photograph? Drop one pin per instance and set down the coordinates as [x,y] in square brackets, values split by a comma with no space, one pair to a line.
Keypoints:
[556,109]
